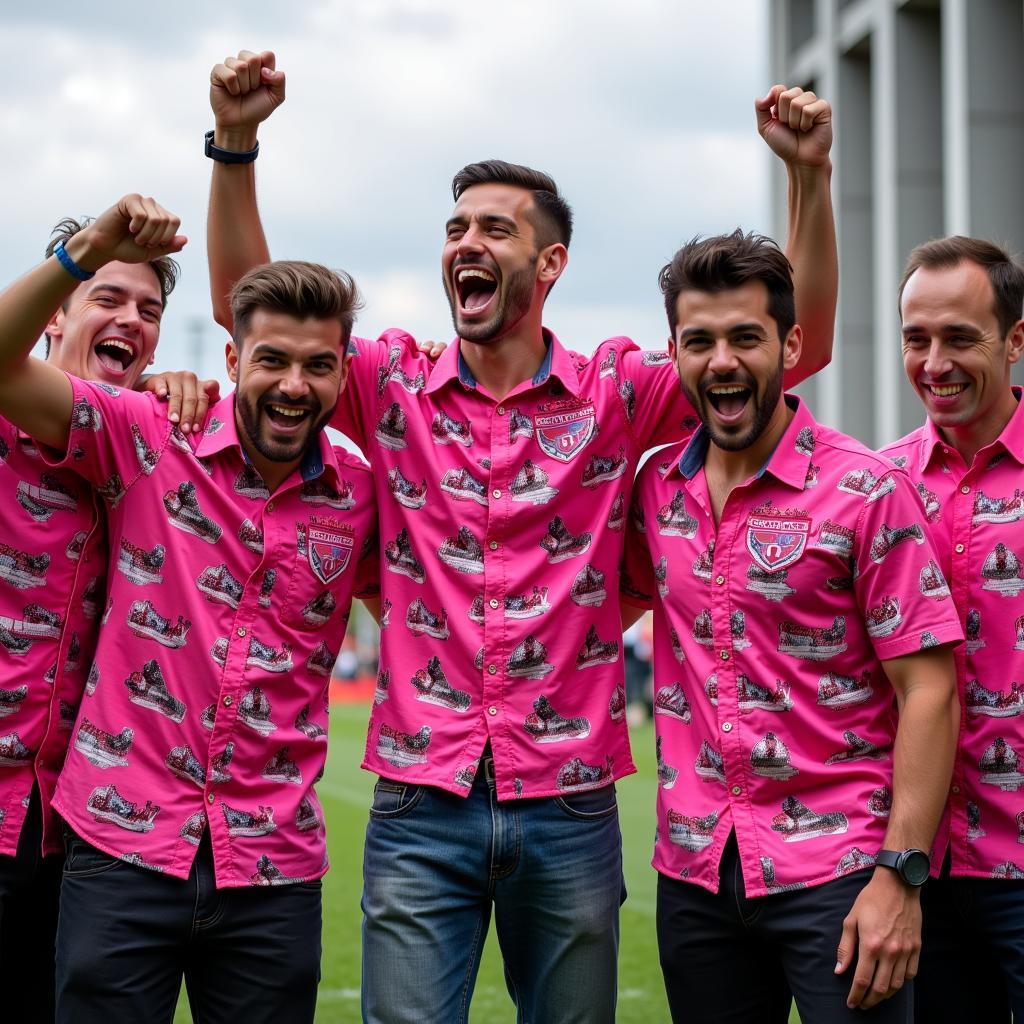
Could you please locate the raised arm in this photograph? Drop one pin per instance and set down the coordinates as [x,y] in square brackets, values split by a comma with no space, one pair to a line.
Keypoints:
[35,395]
[797,126]
[244,91]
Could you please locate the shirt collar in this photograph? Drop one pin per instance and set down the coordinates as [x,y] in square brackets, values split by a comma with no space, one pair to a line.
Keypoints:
[452,367]
[788,463]
[220,433]
[1011,439]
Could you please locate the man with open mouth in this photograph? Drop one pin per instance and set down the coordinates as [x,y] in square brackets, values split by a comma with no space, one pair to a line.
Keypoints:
[960,306]
[477,808]
[51,594]
[195,843]
[765,857]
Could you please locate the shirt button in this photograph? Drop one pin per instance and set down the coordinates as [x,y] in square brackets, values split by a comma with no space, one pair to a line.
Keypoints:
[495,493]
[492,710]
[959,549]
[736,790]
[493,545]
[719,580]
[270,507]
[965,489]
[501,410]
[492,669]
[724,655]
[493,602]
[240,631]
[228,700]
[956,790]
[210,798]
[727,727]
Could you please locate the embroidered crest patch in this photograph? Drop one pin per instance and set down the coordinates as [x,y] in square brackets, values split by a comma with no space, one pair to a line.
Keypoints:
[776,542]
[329,549]
[564,434]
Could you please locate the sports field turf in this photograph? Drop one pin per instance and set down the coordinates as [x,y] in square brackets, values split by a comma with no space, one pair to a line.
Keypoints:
[345,794]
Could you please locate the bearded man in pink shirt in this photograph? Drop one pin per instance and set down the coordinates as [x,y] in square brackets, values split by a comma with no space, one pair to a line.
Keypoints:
[786,564]
[106,330]
[960,305]
[196,842]
[503,475]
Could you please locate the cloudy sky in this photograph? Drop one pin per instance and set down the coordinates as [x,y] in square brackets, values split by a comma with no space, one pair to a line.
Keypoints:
[642,111]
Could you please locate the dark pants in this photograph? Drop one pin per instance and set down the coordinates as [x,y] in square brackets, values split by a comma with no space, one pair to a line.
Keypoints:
[29,889]
[127,936]
[728,959]
[972,953]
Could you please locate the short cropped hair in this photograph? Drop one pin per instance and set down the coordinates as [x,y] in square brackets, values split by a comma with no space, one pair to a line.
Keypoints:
[1005,273]
[296,288]
[723,262]
[553,219]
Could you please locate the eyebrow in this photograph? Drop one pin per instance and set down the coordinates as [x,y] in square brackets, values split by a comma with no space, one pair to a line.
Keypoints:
[116,289]
[945,329]
[692,332]
[484,218]
[265,348]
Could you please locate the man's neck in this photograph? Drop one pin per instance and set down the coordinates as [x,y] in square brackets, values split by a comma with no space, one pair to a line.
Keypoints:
[734,467]
[970,438]
[504,363]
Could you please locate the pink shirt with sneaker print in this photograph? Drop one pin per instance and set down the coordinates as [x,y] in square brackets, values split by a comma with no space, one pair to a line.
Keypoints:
[773,716]
[975,517]
[206,705]
[501,535]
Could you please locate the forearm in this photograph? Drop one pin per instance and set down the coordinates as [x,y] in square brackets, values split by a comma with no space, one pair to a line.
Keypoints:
[811,248]
[235,242]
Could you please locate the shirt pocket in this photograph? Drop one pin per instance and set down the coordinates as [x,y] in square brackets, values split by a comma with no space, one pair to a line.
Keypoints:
[319,578]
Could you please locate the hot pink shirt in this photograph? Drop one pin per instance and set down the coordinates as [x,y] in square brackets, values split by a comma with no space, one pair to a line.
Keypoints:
[975,517]
[52,561]
[501,535]
[206,705]
[773,715]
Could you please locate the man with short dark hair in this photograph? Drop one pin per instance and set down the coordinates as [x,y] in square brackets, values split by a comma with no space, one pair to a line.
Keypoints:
[784,562]
[196,843]
[503,474]
[960,306]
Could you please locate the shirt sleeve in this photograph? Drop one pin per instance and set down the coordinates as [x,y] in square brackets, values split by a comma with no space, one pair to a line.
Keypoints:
[657,409]
[636,574]
[116,437]
[899,586]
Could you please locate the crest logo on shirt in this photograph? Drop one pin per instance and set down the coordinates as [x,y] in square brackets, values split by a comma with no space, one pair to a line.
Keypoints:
[776,542]
[329,549]
[564,434]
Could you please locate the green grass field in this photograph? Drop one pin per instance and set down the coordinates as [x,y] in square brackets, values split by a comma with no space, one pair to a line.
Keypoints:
[345,794]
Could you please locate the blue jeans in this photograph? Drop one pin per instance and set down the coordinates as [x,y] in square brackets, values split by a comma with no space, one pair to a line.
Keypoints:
[434,865]
[972,951]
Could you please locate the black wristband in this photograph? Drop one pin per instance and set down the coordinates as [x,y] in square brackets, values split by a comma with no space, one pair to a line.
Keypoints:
[229,156]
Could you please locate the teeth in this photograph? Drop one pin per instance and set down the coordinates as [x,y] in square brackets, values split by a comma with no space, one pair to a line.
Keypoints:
[728,389]
[946,390]
[115,343]
[288,411]
[482,274]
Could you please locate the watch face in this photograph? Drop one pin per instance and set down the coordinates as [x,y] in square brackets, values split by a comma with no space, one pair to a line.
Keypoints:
[915,867]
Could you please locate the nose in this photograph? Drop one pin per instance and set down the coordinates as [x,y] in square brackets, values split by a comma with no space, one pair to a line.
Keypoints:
[293,382]
[470,241]
[128,316]
[937,363]
[723,359]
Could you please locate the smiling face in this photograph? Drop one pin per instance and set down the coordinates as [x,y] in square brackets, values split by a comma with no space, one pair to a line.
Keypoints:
[111,325]
[731,362]
[288,374]
[490,262]
[954,353]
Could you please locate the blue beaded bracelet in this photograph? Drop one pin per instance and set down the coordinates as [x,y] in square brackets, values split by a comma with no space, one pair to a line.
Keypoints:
[70,265]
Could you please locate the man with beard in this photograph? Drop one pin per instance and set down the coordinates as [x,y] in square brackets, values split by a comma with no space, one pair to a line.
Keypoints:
[503,476]
[960,304]
[52,591]
[235,553]
[782,560]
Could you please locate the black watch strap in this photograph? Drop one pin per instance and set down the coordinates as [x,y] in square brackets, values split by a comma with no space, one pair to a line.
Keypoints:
[229,156]
[911,865]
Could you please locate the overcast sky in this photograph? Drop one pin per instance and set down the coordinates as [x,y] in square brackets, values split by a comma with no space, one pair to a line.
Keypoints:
[641,110]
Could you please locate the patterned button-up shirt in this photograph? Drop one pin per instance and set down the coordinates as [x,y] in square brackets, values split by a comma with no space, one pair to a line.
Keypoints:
[773,715]
[206,705]
[975,517]
[52,563]
[501,536]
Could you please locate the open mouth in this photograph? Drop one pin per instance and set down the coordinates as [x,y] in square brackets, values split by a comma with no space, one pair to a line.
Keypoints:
[728,400]
[287,417]
[945,392]
[476,288]
[115,355]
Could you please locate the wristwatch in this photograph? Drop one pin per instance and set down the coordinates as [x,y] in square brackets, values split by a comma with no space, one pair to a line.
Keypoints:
[913,866]
[228,156]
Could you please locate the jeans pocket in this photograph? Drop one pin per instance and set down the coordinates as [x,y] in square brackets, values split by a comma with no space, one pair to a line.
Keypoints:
[394,799]
[589,804]
[83,859]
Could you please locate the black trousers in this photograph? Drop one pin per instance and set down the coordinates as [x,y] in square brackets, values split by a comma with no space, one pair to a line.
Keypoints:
[29,890]
[128,935]
[728,959]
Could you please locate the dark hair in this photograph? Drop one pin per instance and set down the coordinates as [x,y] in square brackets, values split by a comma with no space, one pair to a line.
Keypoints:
[296,288]
[722,262]
[166,269]
[1005,274]
[553,218]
